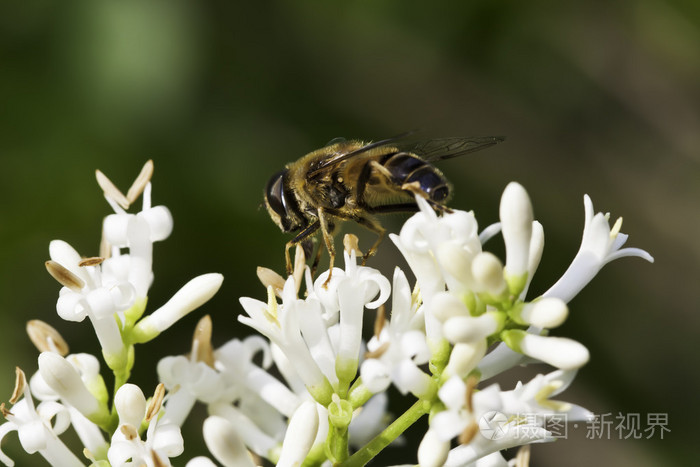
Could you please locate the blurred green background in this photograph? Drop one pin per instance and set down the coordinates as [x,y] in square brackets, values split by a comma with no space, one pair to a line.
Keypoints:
[594,97]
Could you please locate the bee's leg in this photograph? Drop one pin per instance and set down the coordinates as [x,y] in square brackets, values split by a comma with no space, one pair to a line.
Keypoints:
[439,207]
[375,227]
[328,239]
[381,169]
[362,183]
[317,260]
[303,235]
[308,244]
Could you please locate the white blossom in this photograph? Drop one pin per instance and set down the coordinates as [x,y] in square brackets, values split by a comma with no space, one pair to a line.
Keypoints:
[88,367]
[310,390]
[225,444]
[188,380]
[356,288]
[190,297]
[66,381]
[600,245]
[301,434]
[38,428]
[250,384]
[402,347]
[99,297]
[163,439]
[281,324]
[516,227]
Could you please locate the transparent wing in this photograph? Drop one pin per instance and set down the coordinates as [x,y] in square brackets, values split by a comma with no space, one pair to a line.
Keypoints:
[433,150]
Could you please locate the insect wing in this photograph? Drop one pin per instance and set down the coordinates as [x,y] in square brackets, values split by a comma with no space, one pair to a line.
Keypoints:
[446,148]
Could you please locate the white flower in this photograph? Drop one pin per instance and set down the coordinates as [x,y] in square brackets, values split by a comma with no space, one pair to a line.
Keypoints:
[401,346]
[433,451]
[281,324]
[546,313]
[163,438]
[187,380]
[88,368]
[315,332]
[561,352]
[138,232]
[96,296]
[522,412]
[250,433]
[459,327]
[66,381]
[439,249]
[201,461]
[225,444]
[488,273]
[456,416]
[516,224]
[244,380]
[191,296]
[433,345]
[599,246]
[534,397]
[356,288]
[464,358]
[300,436]
[38,427]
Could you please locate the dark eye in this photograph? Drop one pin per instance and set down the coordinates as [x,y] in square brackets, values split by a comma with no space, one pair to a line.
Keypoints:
[274,193]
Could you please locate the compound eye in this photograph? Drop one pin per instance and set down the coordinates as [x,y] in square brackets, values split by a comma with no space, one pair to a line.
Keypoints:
[274,193]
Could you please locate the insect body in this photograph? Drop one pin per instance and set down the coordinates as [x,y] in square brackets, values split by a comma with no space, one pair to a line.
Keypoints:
[352,180]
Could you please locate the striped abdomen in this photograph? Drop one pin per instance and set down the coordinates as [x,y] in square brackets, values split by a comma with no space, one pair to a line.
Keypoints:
[408,168]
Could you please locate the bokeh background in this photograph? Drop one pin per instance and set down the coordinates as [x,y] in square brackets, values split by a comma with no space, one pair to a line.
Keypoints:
[594,97]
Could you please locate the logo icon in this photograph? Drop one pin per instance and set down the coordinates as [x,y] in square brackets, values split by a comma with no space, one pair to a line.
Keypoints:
[493,425]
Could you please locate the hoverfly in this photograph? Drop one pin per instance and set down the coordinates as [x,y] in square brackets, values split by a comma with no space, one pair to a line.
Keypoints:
[354,181]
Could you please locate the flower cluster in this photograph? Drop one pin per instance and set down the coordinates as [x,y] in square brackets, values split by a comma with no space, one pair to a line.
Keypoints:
[311,390]
[110,290]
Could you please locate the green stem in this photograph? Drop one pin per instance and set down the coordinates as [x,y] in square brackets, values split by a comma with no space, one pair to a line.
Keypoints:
[337,445]
[393,431]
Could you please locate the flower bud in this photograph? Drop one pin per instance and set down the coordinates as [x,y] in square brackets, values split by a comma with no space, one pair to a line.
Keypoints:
[488,272]
[432,451]
[563,353]
[63,378]
[516,224]
[130,404]
[225,444]
[456,262]
[445,305]
[190,297]
[464,358]
[300,436]
[160,222]
[544,313]
[471,329]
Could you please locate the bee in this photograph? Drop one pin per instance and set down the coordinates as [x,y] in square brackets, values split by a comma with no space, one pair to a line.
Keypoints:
[350,180]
